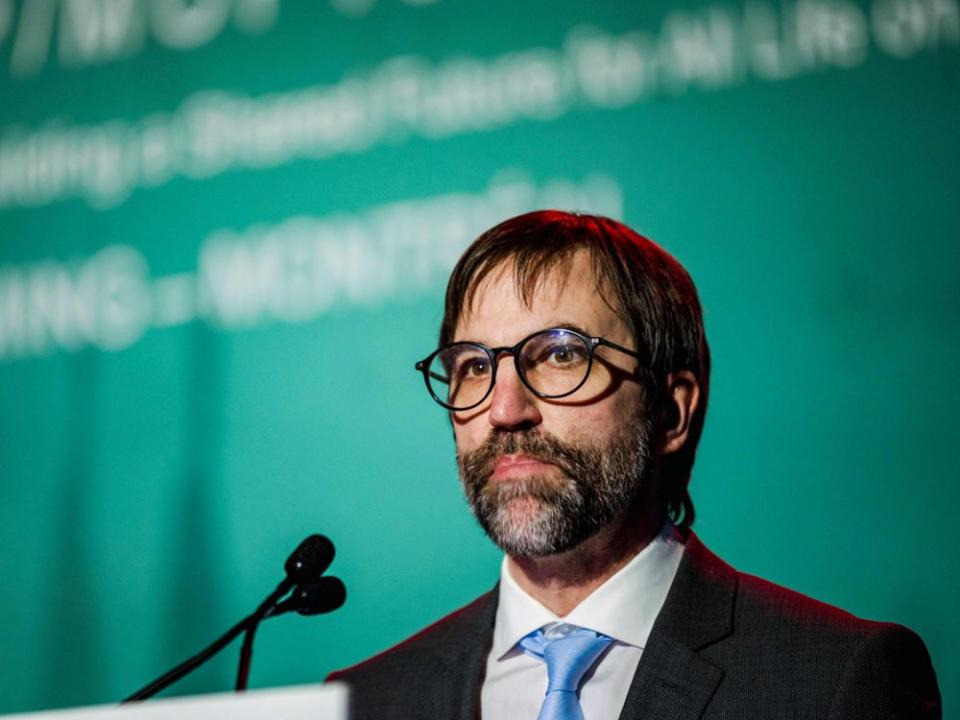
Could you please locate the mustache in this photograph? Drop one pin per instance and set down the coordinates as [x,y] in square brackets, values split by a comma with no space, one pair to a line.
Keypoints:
[535,444]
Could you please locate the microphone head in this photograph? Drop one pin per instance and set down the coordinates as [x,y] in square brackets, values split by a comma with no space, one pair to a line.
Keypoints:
[309,561]
[323,596]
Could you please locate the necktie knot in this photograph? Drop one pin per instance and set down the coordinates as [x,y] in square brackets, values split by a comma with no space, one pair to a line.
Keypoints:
[568,655]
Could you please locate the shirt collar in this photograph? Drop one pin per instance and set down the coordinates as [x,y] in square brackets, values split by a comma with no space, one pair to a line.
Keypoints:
[624,607]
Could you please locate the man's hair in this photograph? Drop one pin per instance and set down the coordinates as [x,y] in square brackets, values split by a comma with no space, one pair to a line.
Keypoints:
[648,289]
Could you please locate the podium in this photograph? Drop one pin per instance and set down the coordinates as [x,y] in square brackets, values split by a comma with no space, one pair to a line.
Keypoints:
[307,702]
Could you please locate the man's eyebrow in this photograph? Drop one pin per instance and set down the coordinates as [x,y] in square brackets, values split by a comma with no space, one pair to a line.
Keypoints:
[561,325]
[556,324]
[569,326]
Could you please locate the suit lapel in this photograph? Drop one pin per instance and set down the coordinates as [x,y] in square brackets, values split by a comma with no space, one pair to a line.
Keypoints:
[462,662]
[672,681]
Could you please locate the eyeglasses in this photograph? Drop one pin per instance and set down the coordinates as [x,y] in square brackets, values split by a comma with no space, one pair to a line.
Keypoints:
[552,363]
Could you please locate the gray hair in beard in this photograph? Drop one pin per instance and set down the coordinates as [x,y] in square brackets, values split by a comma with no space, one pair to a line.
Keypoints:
[600,481]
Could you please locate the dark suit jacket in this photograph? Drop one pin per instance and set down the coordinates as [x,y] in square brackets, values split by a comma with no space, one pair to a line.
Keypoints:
[725,645]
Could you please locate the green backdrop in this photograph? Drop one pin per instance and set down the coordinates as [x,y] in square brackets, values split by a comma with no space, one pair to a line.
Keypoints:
[225,228]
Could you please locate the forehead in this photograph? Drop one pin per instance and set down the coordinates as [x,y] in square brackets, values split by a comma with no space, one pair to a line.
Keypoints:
[500,311]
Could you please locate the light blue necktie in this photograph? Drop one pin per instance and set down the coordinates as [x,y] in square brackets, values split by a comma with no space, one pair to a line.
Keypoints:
[568,658]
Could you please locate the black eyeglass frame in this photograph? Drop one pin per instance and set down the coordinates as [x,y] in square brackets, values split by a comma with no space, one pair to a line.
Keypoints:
[494,353]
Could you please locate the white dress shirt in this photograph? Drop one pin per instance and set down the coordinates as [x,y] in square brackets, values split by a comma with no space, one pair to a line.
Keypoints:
[624,608]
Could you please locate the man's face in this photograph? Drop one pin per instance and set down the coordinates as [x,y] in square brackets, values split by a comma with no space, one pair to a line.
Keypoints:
[544,475]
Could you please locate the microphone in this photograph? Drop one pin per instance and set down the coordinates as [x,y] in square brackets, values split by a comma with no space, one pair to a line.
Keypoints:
[322,596]
[313,594]
[305,565]
[310,560]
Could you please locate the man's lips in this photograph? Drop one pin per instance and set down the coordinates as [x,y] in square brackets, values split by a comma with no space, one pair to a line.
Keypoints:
[513,467]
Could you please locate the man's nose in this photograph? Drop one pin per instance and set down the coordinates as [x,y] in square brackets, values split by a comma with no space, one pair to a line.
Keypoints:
[513,406]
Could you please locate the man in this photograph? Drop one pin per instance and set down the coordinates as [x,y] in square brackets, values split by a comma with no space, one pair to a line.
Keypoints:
[575,368]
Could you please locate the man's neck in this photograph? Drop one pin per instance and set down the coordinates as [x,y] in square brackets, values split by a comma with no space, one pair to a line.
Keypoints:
[561,582]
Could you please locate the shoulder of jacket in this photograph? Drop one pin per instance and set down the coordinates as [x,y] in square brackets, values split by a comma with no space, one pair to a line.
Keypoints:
[469,620]
[761,601]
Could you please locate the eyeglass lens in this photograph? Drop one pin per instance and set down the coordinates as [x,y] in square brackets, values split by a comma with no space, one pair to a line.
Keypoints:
[553,363]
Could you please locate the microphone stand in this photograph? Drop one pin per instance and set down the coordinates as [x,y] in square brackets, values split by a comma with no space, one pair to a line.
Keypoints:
[248,624]
[189,665]
[251,624]
[313,594]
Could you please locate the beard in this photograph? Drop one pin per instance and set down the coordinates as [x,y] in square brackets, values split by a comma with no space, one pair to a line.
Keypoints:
[598,482]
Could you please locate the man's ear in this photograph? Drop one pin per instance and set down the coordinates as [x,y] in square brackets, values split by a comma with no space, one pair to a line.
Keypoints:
[681,395]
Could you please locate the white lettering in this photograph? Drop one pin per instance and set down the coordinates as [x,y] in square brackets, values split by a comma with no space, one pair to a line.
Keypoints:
[209,120]
[308,285]
[116,278]
[212,131]
[298,269]
[106,179]
[54,304]
[32,42]
[157,153]
[613,72]
[944,16]
[6,18]
[51,306]
[905,27]
[768,43]
[698,49]
[186,24]
[235,278]
[531,81]
[830,33]
[289,272]
[13,334]
[98,30]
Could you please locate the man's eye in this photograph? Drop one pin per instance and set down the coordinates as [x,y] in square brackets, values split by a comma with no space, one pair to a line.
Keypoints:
[473,368]
[560,355]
